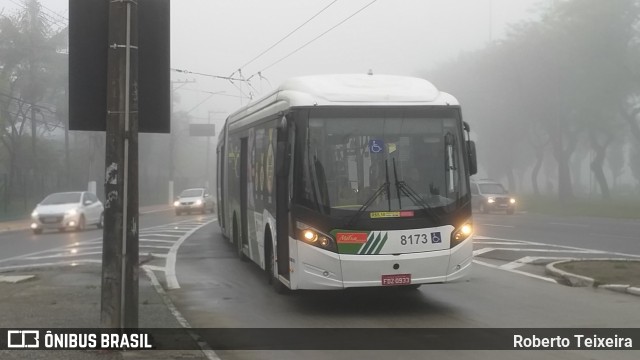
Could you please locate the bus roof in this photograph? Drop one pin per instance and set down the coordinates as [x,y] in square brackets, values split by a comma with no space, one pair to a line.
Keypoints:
[347,90]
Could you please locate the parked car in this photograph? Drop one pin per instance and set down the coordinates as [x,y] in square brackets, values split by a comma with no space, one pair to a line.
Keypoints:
[75,210]
[194,200]
[489,195]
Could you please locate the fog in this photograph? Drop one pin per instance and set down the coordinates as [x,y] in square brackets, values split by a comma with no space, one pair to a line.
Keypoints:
[550,88]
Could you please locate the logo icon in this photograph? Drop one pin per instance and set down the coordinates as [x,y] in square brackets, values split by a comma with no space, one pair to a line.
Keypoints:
[376,146]
[23,339]
[351,238]
[436,238]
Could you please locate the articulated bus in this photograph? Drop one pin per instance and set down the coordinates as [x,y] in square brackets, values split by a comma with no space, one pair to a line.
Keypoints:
[340,181]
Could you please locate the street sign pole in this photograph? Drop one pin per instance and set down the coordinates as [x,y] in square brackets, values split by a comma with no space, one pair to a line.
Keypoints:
[119,305]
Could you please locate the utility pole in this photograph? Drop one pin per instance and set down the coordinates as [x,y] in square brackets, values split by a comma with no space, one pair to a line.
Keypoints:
[119,305]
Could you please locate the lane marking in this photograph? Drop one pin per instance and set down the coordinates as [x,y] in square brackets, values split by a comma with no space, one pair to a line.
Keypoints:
[170,266]
[482,251]
[204,347]
[567,247]
[77,243]
[515,271]
[496,225]
[158,241]
[60,263]
[569,224]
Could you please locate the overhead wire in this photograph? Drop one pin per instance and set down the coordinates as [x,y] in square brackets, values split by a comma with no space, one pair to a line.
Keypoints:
[208,75]
[314,39]
[285,37]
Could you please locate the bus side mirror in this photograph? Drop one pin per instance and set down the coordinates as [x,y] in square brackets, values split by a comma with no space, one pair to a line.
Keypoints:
[473,160]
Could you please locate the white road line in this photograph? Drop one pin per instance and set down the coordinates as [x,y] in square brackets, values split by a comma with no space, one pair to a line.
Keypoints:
[170,266]
[496,225]
[482,251]
[568,247]
[36,265]
[162,235]
[88,241]
[154,246]
[516,271]
[517,263]
[204,347]
[583,251]
[158,241]
[62,255]
[49,250]
[503,243]
[569,224]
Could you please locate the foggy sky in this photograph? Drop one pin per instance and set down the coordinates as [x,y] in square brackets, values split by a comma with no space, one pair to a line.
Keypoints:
[406,37]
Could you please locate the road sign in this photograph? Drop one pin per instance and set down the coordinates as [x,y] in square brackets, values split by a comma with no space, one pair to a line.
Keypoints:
[88,48]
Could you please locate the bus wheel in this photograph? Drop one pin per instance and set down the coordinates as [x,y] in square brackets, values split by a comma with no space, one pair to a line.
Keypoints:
[237,241]
[270,266]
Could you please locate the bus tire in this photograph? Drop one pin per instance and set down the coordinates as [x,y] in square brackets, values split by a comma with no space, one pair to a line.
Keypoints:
[237,240]
[270,265]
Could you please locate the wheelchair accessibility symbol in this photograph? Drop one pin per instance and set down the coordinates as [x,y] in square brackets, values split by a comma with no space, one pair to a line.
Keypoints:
[376,146]
[436,238]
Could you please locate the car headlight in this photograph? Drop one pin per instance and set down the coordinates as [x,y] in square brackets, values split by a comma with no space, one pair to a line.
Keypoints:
[199,202]
[34,213]
[176,203]
[316,238]
[461,234]
[491,200]
[512,201]
[71,212]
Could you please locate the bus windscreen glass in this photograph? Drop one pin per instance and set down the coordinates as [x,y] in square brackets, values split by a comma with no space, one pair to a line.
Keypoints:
[391,159]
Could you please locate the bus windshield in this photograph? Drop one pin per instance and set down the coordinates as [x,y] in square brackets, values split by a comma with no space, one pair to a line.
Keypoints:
[382,159]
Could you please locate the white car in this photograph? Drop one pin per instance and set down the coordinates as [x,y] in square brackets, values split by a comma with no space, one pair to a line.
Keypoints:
[66,210]
[194,200]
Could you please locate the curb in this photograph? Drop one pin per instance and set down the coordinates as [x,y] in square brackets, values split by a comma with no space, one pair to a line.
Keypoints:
[576,280]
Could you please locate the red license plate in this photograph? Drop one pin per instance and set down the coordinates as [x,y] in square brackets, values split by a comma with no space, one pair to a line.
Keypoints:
[396,279]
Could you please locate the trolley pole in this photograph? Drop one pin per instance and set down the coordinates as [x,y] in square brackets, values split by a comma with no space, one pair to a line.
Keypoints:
[119,302]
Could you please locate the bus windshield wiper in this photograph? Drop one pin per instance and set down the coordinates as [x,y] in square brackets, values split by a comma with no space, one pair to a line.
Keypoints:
[402,186]
[385,187]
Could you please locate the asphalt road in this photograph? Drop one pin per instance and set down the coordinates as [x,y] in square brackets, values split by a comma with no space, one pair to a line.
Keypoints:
[611,235]
[218,290]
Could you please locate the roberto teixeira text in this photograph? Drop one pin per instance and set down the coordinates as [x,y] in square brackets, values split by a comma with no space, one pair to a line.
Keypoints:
[576,341]
[41,339]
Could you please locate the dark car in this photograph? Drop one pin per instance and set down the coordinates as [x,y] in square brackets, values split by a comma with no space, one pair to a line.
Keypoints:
[489,195]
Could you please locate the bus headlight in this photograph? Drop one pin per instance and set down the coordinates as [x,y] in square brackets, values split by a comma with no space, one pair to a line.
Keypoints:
[461,234]
[316,238]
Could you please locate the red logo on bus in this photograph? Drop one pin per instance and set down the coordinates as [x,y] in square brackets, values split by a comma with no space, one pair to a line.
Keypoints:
[351,238]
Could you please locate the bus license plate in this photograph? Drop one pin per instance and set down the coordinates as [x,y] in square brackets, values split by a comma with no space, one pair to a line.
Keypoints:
[396,279]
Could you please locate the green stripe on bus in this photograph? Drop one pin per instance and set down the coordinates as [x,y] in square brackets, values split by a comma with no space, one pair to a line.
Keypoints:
[367,245]
[384,240]
[374,244]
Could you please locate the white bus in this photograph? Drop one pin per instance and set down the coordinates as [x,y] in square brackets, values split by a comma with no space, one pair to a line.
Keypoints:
[339,181]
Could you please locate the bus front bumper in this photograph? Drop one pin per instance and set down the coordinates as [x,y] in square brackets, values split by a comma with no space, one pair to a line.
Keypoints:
[321,269]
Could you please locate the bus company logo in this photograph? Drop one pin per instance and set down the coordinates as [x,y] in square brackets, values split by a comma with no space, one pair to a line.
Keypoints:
[351,238]
[23,339]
